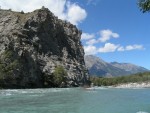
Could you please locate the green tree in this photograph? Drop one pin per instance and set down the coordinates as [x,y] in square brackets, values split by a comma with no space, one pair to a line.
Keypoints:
[9,65]
[59,76]
[144,5]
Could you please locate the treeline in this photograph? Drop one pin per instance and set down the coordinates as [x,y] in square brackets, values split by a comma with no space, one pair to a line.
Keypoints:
[139,77]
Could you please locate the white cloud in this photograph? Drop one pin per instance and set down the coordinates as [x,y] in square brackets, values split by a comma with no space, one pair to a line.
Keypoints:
[131,47]
[121,48]
[91,42]
[76,14]
[108,47]
[56,6]
[106,35]
[87,36]
[61,8]
[90,50]
[134,47]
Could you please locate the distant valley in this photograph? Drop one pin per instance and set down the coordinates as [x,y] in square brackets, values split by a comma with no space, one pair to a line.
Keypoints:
[101,68]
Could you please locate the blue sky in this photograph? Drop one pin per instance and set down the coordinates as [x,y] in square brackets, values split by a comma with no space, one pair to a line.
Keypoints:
[114,30]
[124,18]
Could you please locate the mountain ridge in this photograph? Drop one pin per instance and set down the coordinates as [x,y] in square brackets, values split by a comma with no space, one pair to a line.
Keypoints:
[99,67]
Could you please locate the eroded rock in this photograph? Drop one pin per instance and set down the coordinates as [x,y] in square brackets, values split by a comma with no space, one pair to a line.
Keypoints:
[38,42]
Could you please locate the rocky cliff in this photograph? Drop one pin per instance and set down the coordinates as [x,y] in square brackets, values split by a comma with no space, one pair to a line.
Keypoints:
[32,45]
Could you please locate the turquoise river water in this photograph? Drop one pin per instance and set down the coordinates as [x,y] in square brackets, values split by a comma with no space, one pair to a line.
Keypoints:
[75,100]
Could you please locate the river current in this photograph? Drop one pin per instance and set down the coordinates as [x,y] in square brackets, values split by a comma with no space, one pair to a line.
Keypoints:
[75,100]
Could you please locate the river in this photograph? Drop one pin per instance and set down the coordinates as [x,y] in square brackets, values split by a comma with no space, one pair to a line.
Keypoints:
[75,100]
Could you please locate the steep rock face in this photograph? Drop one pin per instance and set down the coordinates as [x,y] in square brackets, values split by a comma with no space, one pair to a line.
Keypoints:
[33,44]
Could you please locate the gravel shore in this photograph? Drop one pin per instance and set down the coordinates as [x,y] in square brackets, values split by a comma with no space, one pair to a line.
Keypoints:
[133,85]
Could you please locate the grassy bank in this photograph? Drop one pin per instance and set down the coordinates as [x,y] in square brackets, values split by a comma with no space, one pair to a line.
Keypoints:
[139,77]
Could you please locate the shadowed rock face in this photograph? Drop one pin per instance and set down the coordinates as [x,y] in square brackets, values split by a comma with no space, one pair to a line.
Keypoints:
[33,44]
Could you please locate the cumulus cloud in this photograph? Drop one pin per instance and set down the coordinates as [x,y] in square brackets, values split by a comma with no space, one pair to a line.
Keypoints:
[131,47]
[134,47]
[91,42]
[75,14]
[87,36]
[62,8]
[106,35]
[89,50]
[121,48]
[108,47]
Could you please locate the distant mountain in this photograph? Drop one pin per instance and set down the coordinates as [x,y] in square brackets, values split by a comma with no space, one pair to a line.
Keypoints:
[129,67]
[98,67]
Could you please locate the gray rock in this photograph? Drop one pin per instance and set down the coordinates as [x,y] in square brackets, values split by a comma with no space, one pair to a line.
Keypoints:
[36,43]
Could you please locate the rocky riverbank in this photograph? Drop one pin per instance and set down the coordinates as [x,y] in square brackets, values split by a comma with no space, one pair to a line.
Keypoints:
[133,85]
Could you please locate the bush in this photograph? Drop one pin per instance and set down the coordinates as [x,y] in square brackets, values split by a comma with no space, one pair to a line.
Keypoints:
[139,77]
[8,65]
[22,12]
[59,76]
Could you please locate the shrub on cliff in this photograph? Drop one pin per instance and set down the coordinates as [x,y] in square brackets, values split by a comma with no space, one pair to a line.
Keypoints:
[59,76]
[8,67]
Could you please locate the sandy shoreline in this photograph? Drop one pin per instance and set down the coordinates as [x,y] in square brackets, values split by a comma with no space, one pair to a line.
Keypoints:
[133,85]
